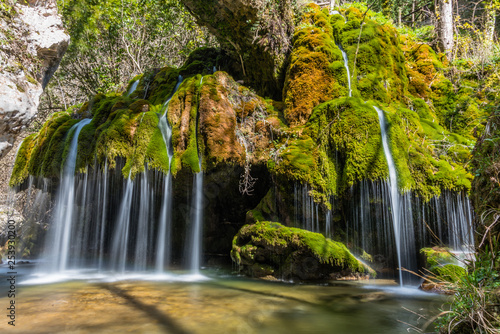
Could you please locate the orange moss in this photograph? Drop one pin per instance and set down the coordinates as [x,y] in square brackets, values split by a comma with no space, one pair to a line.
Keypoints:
[310,77]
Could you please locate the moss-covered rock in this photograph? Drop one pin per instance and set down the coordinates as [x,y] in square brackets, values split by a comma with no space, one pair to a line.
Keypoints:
[316,72]
[443,270]
[267,248]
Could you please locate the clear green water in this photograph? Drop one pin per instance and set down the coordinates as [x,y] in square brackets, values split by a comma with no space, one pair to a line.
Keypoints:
[219,305]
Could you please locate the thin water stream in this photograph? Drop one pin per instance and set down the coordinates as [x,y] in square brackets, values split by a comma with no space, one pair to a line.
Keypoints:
[58,247]
[163,243]
[393,183]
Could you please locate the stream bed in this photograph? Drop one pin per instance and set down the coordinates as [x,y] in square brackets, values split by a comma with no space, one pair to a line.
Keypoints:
[214,303]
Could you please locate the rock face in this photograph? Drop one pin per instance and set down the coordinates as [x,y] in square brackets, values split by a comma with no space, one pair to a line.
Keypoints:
[35,43]
[271,249]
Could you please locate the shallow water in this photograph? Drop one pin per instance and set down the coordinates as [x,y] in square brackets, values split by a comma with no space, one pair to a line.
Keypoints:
[220,304]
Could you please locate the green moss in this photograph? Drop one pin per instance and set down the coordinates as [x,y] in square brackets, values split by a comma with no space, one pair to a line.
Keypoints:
[162,85]
[450,273]
[264,234]
[375,58]
[316,73]
[185,141]
[265,210]
[20,170]
[43,150]
[437,256]
[347,131]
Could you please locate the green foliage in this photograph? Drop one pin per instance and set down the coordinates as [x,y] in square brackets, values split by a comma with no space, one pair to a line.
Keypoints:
[473,308]
[114,40]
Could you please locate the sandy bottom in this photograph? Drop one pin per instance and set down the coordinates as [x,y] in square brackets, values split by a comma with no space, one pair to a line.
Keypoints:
[219,305]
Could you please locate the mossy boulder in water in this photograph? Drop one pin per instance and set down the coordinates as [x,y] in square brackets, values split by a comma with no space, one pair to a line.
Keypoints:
[442,270]
[271,249]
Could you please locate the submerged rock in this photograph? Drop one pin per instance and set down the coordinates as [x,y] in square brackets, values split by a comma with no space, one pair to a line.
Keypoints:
[271,249]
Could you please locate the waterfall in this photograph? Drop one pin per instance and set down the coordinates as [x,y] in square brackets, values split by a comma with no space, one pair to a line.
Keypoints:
[121,234]
[141,244]
[346,65]
[164,232]
[197,214]
[197,222]
[62,225]
[133,87]
[393,183]
[103,214]
[307,214]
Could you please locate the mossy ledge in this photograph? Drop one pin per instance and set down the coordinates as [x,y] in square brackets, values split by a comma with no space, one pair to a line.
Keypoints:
[271,249]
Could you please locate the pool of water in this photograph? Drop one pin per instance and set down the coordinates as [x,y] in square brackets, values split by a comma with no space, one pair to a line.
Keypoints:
[216,303]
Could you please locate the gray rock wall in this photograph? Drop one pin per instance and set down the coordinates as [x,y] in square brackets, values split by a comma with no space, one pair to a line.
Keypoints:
[33,42]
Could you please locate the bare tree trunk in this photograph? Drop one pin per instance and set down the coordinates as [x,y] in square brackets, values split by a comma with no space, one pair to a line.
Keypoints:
[413,14]
[332,4]
[489,27]
[445,25]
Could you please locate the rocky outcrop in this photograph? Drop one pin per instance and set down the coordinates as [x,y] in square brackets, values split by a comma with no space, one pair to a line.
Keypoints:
[33,43]
[256,33]
[271,249]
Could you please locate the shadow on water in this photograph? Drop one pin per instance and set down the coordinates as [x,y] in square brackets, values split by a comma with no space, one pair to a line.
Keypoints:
[169,324]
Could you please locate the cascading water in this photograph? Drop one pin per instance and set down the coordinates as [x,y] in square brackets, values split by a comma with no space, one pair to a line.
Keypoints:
[121,234]
[103,214]
[133,87]
[164,233]
[197,215]
[59,244]
[141,244]
[393,183]
[346,65]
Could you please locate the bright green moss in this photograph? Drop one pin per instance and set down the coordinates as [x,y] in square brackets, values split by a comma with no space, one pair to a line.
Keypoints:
[269,234]
[443,264]
[43,150]
[163,85]
[187,97]
[55,155]
[450,273]
[349,134]
[147,126]
[20,170]
[437,256]
[376,62]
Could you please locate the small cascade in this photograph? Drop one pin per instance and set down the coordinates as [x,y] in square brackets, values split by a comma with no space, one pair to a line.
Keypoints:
[197,215]
[197,220]
[133,87]
[307,211]
[164,233]
[141,243]
[121,234]
[103,214]
[394,194]
[59,242]
[346,65]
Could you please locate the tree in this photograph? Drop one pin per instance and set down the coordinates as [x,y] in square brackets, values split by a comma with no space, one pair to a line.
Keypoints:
[445,25]
[114,40]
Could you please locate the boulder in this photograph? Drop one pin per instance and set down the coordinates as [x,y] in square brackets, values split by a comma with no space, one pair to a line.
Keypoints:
[270,249]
